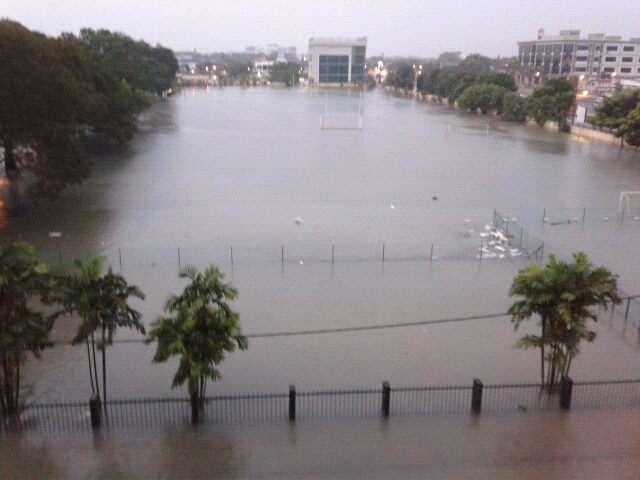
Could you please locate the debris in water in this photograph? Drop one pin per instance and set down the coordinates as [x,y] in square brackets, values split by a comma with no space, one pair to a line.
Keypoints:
[301,262]
[297,221]
[606,219]
[514,219]
[434,198]
[392,206]
[55,234]
[545,219]
[466,220]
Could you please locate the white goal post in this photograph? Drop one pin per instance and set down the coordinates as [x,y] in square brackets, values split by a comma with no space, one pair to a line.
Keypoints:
[625,200]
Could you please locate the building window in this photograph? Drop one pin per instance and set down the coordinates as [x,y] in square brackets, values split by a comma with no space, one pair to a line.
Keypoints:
[596,59]
[625,70]
[582,47]
[580,69]
[612,48]
[609,59]
[594,69]
[334,68]
[627,59]
[609,70]
[629,48]
[598,48]
[581,59]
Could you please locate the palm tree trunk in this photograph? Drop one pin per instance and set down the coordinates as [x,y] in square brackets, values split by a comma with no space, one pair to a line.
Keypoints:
[544,325]
[95,365]
[17,402]
[10,165]
[104,370]
[93,388]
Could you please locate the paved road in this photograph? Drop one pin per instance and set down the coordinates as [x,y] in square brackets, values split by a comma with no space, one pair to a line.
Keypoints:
[595,444]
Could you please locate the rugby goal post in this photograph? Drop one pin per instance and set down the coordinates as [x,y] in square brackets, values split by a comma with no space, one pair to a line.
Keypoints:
[625,200]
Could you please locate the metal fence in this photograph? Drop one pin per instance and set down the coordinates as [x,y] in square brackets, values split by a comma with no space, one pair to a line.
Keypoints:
[279,407]
[517,236]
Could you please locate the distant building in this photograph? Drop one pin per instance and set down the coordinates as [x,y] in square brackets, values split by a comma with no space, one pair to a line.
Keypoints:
[337,60]
[596,57]
[449,59]
[263,68]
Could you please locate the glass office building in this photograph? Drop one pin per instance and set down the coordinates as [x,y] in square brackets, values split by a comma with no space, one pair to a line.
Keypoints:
[337,60]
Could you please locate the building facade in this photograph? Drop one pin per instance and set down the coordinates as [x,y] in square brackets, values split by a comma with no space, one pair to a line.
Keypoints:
[598,56]
[337,60]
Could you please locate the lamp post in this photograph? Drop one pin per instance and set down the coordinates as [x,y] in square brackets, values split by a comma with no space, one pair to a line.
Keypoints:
[416,73]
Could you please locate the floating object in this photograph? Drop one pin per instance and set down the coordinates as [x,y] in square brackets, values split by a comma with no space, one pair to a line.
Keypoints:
[516,254]
[513,250]
[484,234]
[434,198]
[502,249]
[606,219]
[563,222]
[55,234]
[301,262]
[466,220]
[576,219]
[545,219]
[392,206]
[488,227]
[514,219]
[297,221]
[501,255]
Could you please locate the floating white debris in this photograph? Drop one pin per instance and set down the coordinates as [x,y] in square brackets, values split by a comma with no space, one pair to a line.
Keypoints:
[470,230]
[301,262]
[606,219]
[513,250]
[545,219]
[501,255]
[392,206]
[502,249]
[466,220]
[484,234]
[514,219]
[636,218]
[488,227]
[297,221]
[55,234]
[516,254]
[491,242]
[576,219]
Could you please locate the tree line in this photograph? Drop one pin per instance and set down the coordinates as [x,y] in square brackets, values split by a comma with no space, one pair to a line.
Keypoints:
[56,93]
[200,327]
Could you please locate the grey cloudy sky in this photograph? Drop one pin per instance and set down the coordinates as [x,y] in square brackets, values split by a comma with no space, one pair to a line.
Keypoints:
[403,27]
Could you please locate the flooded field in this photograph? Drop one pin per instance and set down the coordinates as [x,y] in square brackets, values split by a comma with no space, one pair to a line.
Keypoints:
[216,170]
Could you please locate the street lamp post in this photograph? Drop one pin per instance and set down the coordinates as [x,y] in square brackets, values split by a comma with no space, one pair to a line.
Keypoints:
[416,73]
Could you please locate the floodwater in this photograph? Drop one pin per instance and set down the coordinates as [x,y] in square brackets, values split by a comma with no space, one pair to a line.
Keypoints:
[221,169]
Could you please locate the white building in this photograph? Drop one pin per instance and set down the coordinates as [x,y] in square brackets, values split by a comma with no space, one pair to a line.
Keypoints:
[337,60]
[598,56]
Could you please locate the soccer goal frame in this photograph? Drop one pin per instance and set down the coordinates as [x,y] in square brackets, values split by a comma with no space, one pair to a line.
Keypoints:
[625,200]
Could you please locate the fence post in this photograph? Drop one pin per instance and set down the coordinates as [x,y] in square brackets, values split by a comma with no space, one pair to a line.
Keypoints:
[282,254]
[195,410]
[120,258]
[333,252]
[566,388]
[476,396]
[544,215]
[383,252]
[232,256]
[179,261]
[431,252]
[386,398]
[584,214]
[292,403]
[95,411]
[626,313]
[521,232]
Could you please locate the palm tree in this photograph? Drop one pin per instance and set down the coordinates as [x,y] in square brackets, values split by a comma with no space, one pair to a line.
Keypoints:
[562,294]
[200,329]
[23,330]
[102,302]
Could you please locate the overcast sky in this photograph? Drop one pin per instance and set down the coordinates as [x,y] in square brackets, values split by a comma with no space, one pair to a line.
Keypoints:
[400,27]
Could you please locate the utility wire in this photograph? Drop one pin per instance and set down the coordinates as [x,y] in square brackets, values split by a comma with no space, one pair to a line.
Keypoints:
[296,333]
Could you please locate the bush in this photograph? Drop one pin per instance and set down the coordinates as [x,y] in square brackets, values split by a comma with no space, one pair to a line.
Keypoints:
[485,97]
[513,108]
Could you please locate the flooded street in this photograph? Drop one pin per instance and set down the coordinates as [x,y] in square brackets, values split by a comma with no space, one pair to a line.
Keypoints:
[221,169]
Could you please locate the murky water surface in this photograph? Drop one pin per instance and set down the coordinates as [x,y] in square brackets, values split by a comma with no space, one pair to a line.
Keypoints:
[216,170]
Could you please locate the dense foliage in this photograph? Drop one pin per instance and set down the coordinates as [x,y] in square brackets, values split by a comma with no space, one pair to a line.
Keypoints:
[55,92]
[552,102]
[621,113]
[24,328]
[484,97]
[286,72]
[513,108]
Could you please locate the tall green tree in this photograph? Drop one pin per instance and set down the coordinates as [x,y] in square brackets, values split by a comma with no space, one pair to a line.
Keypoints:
[629,130]
[483,96]
[552,102]
[200,329]
[513,108]
[24,329]
[614,113]
[102,303]
[563,295]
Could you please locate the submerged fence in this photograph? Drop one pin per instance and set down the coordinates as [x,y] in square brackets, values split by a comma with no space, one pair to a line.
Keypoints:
[293,405]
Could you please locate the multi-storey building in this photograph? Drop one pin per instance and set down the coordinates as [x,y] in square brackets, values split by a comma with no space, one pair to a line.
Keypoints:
[337,60]
[597,56]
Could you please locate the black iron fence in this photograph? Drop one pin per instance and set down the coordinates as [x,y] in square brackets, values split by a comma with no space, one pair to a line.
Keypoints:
[294,406]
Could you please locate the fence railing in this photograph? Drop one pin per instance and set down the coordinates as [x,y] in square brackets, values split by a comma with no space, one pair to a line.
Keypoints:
[517,236]
[278,407]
